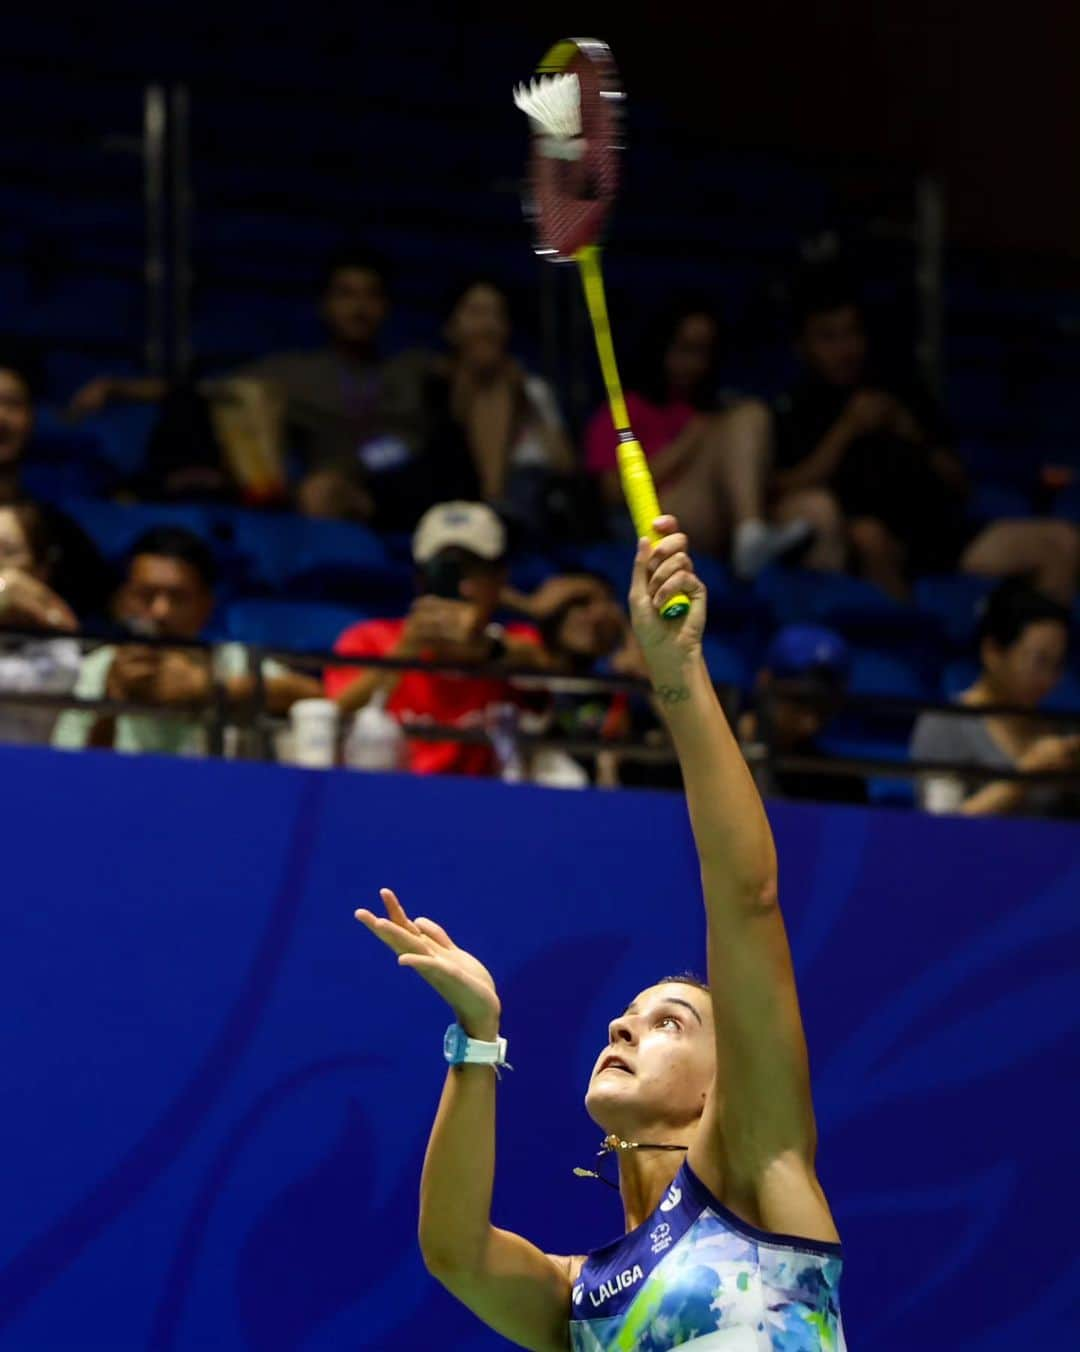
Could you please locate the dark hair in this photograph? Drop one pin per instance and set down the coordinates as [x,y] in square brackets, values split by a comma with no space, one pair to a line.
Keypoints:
[23,361]
[685,979]
[174,542]
[357,256]
[71,562]
[1011,607]
[441,575]
[455,294]
[647,370]
[820,289]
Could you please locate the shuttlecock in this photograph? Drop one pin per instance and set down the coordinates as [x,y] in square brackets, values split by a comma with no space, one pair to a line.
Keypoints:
[552,103]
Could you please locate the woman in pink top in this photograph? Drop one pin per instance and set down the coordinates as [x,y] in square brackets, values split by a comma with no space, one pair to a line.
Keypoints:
[710,461]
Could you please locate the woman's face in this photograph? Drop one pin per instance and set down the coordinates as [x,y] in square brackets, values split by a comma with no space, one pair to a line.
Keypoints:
[1027,670]
[15,551]
[690,353]
[659,1064]
[480,323]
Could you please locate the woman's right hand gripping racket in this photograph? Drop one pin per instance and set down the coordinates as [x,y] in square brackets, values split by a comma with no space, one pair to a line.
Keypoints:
[574,106]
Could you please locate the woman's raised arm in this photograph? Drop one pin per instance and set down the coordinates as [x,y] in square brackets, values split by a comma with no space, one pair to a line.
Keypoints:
[757,1137]
[507,1282]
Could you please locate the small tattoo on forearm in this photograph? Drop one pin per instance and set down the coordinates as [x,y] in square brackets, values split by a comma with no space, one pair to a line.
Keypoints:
[672,694]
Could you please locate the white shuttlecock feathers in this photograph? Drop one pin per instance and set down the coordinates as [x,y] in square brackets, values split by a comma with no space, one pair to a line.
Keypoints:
[552,103]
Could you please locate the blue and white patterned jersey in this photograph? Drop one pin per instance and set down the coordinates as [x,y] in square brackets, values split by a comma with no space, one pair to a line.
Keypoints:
[695,1276]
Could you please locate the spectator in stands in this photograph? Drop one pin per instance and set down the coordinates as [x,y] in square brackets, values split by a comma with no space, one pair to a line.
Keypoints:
[709,455]
[357,423]
[881,450]
[506,435]
[28,601]
[586,632]
[1023,642]
[579,619]
[19,380]
[801,681]
[459,550]
[168,593]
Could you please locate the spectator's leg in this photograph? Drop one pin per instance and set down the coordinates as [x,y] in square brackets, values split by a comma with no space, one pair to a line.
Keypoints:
[701,505]
[328,493]
[880,556]
[740,445]
[737,451]
[829,550]
[1046,551]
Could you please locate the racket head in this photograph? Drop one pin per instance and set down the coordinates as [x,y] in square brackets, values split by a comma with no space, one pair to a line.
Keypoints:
[568,202]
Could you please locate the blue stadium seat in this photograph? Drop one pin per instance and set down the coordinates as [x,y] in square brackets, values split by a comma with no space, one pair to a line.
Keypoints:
[727,662]
[322,560]
[848,604]
[122,433]
[64,460]
[888,792]
[114,528]
[953,601]
[298,626]
[877,673]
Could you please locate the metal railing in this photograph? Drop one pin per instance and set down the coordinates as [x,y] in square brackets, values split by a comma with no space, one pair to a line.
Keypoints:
[766,756]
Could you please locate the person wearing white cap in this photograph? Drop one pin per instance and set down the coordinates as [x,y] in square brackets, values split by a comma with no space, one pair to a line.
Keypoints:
[459,549]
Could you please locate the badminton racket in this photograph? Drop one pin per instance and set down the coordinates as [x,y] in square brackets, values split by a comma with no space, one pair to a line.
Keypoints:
[575,106]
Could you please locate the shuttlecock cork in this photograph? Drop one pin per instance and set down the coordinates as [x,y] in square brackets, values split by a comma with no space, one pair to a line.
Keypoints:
[552,103]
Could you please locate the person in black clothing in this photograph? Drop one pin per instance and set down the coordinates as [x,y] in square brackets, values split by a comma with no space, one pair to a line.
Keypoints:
[803,677]
[882,450]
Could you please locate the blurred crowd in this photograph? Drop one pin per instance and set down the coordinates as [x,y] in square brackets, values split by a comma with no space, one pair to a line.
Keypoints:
[467,451]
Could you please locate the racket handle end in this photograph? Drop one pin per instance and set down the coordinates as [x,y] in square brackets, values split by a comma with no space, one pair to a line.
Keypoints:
[676,608]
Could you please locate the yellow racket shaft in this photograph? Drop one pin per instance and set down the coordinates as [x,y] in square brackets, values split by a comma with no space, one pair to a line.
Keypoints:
[637,481]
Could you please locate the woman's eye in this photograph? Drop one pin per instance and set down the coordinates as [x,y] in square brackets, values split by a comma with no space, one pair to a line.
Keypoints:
[669,1018]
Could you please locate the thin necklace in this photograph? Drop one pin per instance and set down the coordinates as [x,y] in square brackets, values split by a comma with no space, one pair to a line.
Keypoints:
[610,1146]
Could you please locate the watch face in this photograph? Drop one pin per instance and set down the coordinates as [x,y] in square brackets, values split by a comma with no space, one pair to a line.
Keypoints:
[454,1044]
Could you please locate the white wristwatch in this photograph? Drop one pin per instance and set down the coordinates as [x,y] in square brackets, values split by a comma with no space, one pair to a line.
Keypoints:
[460,1049]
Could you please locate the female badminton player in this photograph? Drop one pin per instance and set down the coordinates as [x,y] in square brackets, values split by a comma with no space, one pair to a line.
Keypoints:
[704,1093]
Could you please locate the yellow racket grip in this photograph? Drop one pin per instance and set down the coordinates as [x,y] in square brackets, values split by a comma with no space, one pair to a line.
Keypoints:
[640,493]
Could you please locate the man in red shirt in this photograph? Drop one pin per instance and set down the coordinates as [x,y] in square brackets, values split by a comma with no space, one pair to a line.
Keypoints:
[459,550]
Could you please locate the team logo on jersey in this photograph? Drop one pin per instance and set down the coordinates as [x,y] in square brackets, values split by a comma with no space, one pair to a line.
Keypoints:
[661,1237]
[579,1291]
[672,1200]
[622,1281]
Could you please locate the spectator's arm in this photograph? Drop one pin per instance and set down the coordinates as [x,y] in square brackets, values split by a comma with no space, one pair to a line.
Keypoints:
[283,688]
[104,390]
[822,463]
[993,800]
[666,464]
[353,690]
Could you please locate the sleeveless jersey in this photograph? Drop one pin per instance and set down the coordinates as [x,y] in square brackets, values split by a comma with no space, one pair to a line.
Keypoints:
[693,1275]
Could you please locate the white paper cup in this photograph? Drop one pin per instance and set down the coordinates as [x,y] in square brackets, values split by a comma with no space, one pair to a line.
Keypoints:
[314,733]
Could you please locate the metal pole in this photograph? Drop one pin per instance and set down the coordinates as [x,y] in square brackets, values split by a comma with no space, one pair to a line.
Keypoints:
[153,152]
[930,280]
[181,232]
